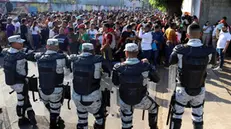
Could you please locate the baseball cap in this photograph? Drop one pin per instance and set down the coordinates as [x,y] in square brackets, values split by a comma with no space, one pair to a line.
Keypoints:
[131,47]
[87,46]
[53,42]
[81,26]
[15,39]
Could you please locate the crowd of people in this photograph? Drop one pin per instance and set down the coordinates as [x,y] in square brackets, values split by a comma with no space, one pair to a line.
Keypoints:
[87,42]
[155,33]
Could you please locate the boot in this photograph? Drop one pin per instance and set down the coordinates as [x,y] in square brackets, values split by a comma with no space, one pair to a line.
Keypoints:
[176,123]
[23,121]
[31,117]
[97,126]
[197,125]
[152,118]
[80,127]
[53,125]
[53,121]
[48,107]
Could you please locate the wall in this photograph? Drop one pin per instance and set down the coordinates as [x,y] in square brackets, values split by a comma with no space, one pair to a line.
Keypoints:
[214,10]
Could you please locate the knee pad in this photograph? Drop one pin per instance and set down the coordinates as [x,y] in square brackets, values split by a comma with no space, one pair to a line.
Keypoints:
[20,111]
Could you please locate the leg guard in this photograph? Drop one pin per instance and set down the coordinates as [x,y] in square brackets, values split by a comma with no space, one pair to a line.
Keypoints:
[100,117]
[82,126]
[152,118]
[175,123]
[23,121]
[47,107]
[97,126]
[20,111]
[31,117]
[53,121]
[198,125]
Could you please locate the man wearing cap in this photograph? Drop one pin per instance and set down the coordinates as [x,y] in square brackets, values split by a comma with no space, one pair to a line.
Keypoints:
[86,84]
[10,29]
[15,69]
[51,74]
[132,78]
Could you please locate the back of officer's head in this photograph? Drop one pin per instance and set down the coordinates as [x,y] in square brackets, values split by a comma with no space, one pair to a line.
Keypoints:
[88,47]
[194,31]
[52,44]
[131,50]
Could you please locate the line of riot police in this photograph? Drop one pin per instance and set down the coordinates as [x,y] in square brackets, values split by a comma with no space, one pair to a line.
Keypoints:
[131,77]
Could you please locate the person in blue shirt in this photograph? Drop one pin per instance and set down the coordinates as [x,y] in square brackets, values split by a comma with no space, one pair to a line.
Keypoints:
[158,39]
[63,41]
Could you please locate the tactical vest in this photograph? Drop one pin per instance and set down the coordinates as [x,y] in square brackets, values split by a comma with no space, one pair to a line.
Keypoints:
[48,77]
[10,64]
[84,82]
[131,88]
[193,73]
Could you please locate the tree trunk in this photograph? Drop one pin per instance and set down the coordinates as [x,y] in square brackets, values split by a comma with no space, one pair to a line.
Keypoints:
[174,6]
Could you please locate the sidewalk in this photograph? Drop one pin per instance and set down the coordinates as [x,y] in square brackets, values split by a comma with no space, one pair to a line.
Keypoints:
[217,106]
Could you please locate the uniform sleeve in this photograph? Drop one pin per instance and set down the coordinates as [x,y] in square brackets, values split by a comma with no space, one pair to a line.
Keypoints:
[115,75]
[153,75]
[97,73]
[31,57]
[173,57]
[21,67]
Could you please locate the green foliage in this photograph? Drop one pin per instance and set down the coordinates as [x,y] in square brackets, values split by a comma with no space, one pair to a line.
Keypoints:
[159,4]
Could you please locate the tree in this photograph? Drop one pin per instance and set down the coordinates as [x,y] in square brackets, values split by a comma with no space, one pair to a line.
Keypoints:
[170,6]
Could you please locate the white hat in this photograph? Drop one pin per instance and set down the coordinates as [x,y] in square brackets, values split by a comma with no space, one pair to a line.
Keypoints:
[131,47]
[15,39]
[53,42]
[87,46]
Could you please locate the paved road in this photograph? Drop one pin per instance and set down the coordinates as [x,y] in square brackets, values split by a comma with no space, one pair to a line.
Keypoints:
[217,106]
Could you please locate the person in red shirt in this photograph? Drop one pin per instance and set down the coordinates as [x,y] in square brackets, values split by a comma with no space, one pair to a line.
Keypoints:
[106,48]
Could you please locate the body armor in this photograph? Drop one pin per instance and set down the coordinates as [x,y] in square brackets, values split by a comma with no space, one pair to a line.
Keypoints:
[193,73]
[83,70]
[10,65]
[131,79]
[48,77]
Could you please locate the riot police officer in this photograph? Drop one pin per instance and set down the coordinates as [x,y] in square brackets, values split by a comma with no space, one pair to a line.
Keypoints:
[86,84]
[192,60]
[51,66]
[132,77]
[15,69]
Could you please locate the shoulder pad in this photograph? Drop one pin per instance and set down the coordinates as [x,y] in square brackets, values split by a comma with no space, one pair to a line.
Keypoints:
[73,57]
[38,55]
[117,66]
[4,51]
[179,48]
[145,66]
[98,58]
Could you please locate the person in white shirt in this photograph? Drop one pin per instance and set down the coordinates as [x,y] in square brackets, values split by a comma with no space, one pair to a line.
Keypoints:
[17,25]
[92,32]
[146,42]
[222,45]
[35,34]
[207,29]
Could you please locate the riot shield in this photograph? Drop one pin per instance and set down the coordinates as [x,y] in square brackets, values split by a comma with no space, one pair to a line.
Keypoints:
[67,94]
[32,83]
[171,90]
